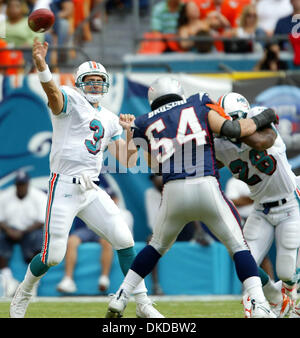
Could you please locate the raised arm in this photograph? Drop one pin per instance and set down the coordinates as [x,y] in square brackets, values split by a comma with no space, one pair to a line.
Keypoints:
[54,95]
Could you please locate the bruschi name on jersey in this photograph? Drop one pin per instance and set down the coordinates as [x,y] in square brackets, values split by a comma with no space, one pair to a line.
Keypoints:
[165,108]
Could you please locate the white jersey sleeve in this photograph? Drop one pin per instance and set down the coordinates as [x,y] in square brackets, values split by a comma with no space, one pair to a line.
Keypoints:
[116,129]
[71,97]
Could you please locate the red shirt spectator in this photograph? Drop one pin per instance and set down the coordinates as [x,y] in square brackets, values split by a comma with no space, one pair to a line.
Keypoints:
[230,9]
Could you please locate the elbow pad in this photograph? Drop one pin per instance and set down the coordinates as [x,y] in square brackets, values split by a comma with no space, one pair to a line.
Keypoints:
[265,118]
[231,129]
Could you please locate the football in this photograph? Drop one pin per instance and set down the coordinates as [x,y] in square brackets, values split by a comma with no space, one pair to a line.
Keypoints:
[41,20]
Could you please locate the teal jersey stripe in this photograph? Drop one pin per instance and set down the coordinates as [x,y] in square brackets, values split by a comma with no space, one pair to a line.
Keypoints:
[44,230]
[53,196]
[115,138]
[64,110]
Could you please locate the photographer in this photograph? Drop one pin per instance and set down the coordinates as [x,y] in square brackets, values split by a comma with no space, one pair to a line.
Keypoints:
[271,59]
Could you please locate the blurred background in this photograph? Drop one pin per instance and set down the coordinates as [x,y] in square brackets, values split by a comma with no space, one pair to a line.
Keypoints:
[215,46]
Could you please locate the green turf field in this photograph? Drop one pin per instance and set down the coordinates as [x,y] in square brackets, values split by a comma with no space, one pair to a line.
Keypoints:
[170,309]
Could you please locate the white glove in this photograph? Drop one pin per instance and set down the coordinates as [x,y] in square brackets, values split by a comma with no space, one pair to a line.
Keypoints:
[86,182]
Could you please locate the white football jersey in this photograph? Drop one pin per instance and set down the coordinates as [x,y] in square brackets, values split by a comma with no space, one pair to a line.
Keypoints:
[267,173]
[81,133]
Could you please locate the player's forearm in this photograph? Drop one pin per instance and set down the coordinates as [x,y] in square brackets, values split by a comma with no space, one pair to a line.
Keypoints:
[132,152]
[260,140]
[54,95]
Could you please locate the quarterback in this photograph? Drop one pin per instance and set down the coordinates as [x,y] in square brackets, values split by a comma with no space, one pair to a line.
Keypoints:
[82,130]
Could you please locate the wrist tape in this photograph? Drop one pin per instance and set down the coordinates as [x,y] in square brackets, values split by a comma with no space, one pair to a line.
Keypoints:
[45,75]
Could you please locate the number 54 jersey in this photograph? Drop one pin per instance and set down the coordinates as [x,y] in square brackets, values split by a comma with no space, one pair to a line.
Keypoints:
[81,134]
[267,173]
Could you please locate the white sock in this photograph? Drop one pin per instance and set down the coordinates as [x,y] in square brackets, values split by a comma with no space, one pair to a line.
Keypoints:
[131,281]
[253,287]
[30,280]
[140,288]
[272,293]
[142,298]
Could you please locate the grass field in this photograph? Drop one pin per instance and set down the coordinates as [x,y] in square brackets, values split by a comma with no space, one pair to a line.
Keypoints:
[97,309]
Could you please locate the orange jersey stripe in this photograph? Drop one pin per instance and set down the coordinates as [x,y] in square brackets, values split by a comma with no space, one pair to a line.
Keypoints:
[219,110]
[48,217]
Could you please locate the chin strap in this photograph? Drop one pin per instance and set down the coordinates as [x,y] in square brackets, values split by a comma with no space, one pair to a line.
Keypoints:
[93,98]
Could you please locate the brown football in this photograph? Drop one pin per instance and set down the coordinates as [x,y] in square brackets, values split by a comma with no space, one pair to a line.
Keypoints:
[41,20]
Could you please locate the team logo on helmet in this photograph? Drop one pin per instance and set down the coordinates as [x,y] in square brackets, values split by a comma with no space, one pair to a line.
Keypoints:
[235,105]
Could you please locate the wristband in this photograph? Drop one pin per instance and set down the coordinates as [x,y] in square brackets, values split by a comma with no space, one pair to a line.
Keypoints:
[45,75]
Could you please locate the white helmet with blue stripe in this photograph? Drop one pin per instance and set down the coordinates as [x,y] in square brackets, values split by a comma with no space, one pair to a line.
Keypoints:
[92,90]
[235,105]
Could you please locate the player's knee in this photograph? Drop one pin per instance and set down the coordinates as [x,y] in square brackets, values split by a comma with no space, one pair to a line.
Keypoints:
[290,239]
[158,247]
[122,238]
[285,267]
[56,254]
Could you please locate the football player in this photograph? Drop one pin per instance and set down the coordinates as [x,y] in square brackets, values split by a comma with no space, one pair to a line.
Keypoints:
[260,161]
[82,129]
[179,133]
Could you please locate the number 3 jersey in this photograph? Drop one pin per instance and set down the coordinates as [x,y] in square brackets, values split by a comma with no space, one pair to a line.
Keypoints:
[178,135]
[81,134]
[267,173]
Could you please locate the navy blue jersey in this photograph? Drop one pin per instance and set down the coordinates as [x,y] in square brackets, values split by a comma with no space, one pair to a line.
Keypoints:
[179,137]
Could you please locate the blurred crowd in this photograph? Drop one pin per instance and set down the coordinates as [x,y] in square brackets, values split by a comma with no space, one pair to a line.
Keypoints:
[230,26]
[200,26]
[75,22]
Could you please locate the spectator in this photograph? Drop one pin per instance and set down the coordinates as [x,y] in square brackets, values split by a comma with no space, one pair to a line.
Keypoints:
[22,212]
[271,59]
[165,15]
[59,36]
[82,234]
[18,33]
[228,10]
[270,11]
[222,15]
[248,32]
[190,25]
[238,192]
[285,25]
[2,10]
[164,20]
[96,20]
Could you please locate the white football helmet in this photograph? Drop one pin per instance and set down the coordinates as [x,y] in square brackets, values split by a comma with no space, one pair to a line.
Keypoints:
[164,86]
[96,88]
[235,105]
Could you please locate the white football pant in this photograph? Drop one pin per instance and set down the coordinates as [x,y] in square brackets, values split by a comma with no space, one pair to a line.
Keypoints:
[196,199]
